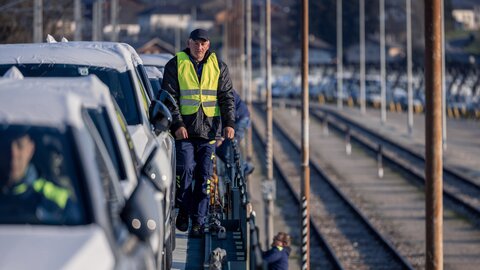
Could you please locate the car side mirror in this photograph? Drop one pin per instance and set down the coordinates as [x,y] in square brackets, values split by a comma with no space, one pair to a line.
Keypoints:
[167,99]
[152,172]
[160,116]
[140,213]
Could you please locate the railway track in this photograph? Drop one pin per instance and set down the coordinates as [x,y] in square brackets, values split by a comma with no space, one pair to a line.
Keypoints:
[458,189]
[323,256]
[351,238]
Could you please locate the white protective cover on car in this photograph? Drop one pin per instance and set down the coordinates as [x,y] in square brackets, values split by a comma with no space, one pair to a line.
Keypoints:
[159,60]
[24,93]
[153,72]
[101,54]
[13,73]
[54,247]
[119,56]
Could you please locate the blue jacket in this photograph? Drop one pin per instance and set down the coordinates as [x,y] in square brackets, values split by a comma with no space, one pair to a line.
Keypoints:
[241,109]
[277,258]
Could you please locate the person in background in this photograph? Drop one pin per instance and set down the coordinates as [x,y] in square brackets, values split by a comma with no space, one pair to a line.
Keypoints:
[201,85]
[277,257]
[242,123]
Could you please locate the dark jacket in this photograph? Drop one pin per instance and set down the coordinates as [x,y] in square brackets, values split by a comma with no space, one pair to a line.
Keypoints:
[199,125]
[277,258]
[48,203]
[241,109]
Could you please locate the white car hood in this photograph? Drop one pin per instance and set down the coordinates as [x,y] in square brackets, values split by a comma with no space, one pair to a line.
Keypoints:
[54,247]
[139,138]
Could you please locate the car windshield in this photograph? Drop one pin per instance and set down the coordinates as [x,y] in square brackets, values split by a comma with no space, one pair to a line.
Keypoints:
[40,182]
[119,83]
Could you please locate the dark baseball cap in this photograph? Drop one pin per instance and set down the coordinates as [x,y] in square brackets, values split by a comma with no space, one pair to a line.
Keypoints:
[199,34]
[9,133]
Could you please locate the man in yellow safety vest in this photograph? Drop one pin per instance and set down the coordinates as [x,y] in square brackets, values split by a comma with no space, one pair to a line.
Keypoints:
[202,87]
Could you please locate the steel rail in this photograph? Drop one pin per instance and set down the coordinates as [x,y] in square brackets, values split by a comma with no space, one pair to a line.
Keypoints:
[401,161]
[317,169]
[314,227]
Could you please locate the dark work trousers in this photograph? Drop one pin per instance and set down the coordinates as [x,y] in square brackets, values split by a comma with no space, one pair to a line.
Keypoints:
[194,167]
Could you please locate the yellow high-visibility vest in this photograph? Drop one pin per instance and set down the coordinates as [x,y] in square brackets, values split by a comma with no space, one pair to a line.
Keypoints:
[193,93]
[52,192]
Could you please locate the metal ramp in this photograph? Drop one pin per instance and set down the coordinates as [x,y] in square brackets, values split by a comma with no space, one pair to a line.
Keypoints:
[231,238]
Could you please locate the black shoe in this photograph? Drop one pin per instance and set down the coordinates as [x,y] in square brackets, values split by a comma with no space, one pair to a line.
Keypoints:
[196,231]
[182,222]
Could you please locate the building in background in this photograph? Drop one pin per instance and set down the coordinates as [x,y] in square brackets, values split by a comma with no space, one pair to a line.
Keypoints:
[467,18]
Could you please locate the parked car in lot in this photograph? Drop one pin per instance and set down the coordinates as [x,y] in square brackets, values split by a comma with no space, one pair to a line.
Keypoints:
[119,67]
[62,204]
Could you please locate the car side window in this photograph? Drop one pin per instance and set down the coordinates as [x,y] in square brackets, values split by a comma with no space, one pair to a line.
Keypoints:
[145,100]
[128,138]
[109,181]
[113,205]
[104,127]
[144,77]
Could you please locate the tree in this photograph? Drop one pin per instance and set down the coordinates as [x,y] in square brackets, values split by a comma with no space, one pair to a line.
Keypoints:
[16,20]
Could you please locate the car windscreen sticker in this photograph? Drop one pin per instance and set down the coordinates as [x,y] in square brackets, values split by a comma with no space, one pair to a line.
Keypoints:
[83,71]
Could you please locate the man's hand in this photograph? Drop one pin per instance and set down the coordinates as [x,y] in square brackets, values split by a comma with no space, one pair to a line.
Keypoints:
[229,132]
[181,133]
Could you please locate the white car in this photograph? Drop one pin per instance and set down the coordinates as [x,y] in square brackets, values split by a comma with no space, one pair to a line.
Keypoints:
[155,65]
[111,126]
[158,60]
[119,67]
[94,226]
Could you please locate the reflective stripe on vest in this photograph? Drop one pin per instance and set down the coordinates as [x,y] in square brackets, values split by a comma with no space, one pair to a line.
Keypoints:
[193,93]
[50,191]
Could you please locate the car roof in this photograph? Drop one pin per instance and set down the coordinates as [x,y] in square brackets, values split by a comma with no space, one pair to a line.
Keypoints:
[55,109]
[153,72]
[103,54]
[159,59]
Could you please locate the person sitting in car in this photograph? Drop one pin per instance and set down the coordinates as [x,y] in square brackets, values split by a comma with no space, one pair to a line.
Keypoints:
[23,192]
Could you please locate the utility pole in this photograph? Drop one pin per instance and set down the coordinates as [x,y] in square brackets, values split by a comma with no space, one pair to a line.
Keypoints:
[305,208]
[339,54]
[433,135]
[77,13]
[382,64]
[114,19]
[97,20]
[270,190]
[444,92]
[409,68]
[249,75]
[263,45]
[38,21]
[248,97]
[362,57]
[226,34]
[94,20]
[177,39]
[241,46]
